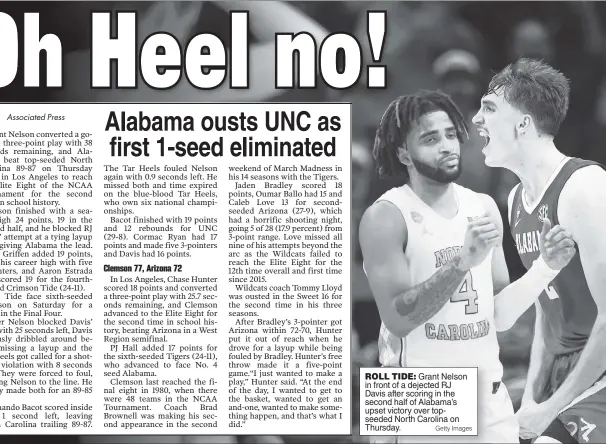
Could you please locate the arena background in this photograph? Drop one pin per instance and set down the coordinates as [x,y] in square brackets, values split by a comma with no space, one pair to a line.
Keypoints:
[453,46]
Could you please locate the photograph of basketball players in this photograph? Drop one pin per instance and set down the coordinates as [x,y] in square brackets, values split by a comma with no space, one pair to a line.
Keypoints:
[534,125]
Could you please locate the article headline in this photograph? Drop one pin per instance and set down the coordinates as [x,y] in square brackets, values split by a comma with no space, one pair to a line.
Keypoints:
[161,61]
[273,121]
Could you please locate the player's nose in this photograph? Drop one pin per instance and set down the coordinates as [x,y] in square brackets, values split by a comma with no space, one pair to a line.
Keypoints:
[449,146]
[478,119]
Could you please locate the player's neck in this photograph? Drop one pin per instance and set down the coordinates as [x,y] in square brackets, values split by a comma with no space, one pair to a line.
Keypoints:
[537,167]
[439,196]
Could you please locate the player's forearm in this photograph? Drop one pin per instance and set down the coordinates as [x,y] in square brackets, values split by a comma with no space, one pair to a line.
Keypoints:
[540,361]
[590,366]
[423,301]
[513,301]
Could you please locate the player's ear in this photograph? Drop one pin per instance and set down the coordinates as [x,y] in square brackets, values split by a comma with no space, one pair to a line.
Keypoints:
[404,155]
[523,124]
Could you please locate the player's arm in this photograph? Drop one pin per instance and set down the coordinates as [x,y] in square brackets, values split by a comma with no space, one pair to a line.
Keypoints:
[402,306]
[582,211]
[540,360]
[513,299]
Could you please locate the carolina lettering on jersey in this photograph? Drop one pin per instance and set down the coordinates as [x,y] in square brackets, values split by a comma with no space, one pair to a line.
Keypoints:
[455,332]
[528,242]
[446,254]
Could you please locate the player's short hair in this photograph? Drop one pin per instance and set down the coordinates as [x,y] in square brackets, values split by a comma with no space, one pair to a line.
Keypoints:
[535,88]
[397,121]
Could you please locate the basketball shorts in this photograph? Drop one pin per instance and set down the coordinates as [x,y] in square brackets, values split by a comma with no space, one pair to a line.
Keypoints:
[496,421]
[585,416]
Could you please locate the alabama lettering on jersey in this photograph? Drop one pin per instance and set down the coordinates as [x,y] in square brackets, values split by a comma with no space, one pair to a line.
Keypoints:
[570,310]
[461,333]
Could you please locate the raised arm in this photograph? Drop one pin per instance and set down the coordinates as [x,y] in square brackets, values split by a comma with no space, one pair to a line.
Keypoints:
[402,305]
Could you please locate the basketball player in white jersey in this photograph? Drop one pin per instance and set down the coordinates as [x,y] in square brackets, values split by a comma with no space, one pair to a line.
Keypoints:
[433,257]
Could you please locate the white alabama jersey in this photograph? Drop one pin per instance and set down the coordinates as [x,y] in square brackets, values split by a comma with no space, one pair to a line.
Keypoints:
[462,333]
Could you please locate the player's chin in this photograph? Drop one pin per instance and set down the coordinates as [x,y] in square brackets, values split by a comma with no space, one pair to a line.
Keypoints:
[491,161]
[450,174]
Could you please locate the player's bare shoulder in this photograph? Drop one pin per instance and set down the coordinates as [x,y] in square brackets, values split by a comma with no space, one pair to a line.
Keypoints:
[381,223]
[583,195]
[587,182]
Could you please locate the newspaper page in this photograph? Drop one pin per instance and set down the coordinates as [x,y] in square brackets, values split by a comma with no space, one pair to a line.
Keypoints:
[301,222]
[193,242]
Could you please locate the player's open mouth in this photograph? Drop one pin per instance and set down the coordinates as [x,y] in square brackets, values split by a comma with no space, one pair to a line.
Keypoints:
[485,135]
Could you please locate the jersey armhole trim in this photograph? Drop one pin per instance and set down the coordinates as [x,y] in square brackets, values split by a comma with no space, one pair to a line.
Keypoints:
[514,196]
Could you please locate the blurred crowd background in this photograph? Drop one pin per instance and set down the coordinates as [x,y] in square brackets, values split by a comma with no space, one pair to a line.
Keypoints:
[452,46]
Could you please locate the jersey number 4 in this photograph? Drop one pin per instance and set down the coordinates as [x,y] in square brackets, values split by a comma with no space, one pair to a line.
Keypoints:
[467,293]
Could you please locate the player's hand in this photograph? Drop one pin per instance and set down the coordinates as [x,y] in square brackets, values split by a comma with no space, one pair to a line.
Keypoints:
[482,235]
[534,418]
[556,245]
[524,432]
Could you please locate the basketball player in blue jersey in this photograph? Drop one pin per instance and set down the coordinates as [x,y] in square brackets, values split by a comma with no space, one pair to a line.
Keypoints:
[434,260]
[565,393]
